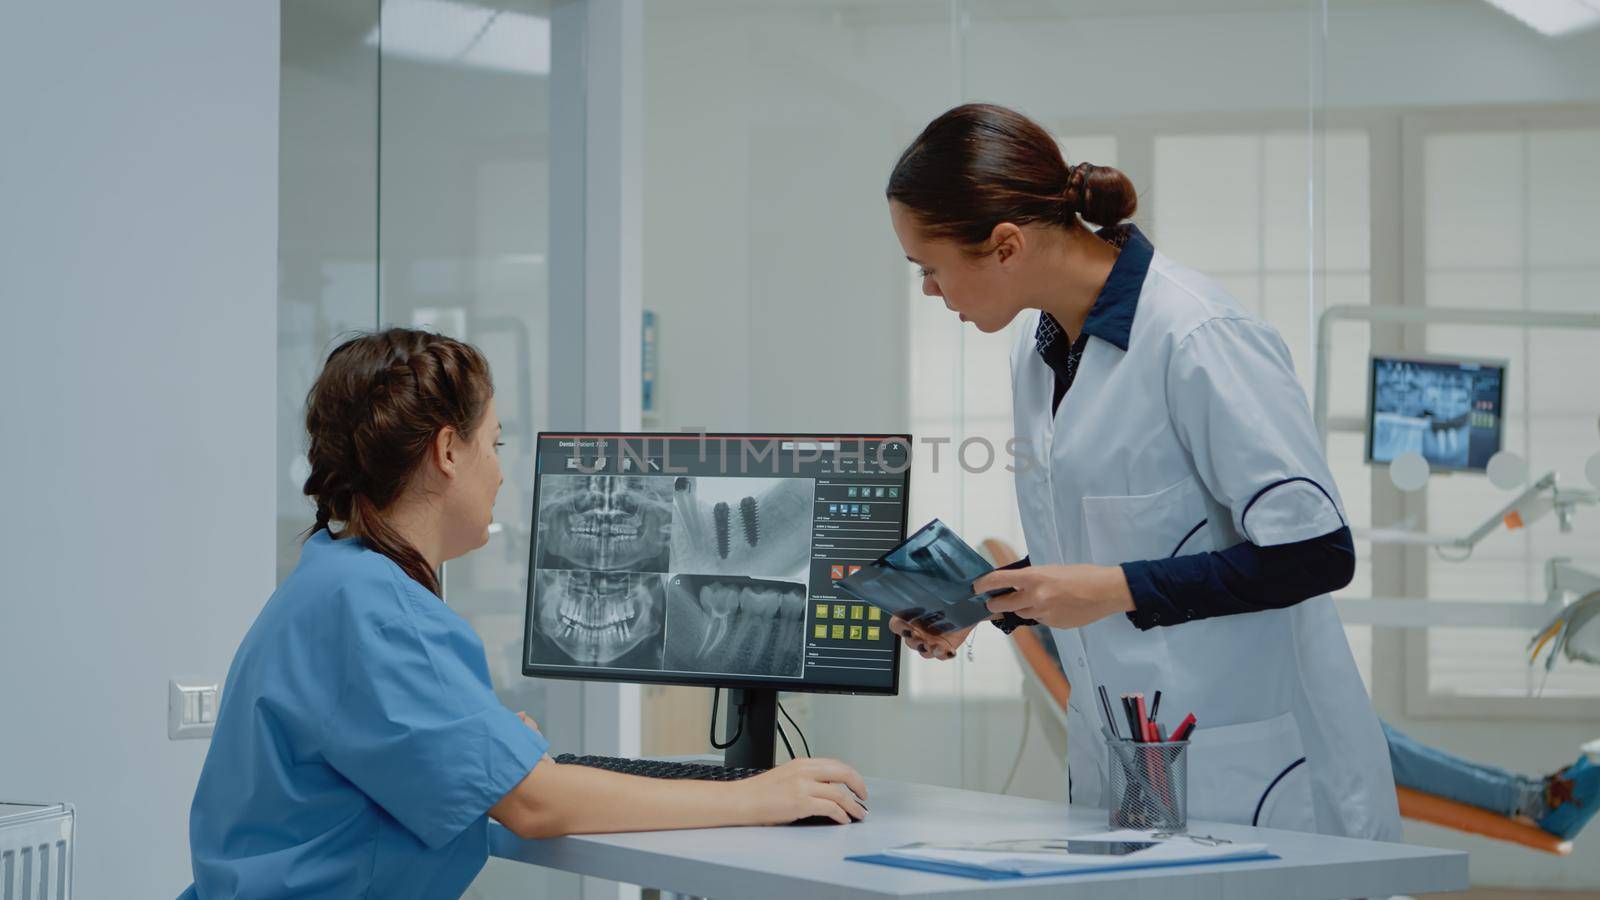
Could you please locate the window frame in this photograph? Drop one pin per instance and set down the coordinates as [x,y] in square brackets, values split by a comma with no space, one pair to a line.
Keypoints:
[1420,699]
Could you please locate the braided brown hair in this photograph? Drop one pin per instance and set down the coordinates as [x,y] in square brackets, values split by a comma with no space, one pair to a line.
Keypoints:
[979,165]
[372,416]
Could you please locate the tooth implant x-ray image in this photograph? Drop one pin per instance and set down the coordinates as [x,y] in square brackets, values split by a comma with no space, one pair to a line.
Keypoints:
[735,625]
[607,523]
[598,619]
[742,526]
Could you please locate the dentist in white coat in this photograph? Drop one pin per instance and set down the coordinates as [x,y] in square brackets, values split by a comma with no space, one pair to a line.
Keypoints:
[1182,526]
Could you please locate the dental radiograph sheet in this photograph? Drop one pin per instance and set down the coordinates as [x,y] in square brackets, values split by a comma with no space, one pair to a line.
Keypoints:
[927,579]
[688,574]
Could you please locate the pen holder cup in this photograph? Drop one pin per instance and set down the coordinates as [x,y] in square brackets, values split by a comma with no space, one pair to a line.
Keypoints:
[1147,785]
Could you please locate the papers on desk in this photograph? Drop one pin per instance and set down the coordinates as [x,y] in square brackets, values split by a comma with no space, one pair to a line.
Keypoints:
[1102,852]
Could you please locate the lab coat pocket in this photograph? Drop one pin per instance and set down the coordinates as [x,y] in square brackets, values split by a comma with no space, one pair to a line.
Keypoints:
[1253,772]
[1146,526]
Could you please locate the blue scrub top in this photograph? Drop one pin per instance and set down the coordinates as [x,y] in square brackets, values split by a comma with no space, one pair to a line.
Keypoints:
[359,745]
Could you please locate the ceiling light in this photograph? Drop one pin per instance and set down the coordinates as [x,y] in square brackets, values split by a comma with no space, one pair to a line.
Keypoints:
[1552,18]
[465,34]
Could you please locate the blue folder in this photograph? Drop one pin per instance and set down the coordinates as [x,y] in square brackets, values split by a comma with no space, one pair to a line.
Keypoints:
[979,872]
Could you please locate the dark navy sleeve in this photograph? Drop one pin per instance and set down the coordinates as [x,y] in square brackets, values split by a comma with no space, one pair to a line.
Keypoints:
[1243,578]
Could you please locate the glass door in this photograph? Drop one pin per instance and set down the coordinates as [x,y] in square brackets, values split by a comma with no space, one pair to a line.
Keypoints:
[415,191]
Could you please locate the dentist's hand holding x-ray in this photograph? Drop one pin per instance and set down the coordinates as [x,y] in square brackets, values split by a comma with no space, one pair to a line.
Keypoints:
[1059,596]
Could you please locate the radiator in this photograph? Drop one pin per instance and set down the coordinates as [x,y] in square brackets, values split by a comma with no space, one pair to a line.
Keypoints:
[36,851]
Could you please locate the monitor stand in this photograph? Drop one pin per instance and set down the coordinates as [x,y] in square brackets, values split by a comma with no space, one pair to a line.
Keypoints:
[757,708]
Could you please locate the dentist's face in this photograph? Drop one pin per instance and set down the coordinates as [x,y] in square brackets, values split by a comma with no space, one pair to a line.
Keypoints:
[975,287]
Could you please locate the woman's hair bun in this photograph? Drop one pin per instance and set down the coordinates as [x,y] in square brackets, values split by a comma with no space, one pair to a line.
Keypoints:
[1102,195]
[979,165]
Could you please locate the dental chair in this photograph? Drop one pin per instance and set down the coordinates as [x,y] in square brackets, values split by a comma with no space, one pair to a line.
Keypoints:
[1046,690]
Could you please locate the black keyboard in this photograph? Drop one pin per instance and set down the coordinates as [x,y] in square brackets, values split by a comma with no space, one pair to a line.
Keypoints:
[653,768]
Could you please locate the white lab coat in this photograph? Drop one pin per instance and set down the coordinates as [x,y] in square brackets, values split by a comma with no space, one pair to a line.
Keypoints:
[1200,420]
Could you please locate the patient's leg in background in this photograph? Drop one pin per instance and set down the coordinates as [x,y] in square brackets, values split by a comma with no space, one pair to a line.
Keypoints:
[1433,771]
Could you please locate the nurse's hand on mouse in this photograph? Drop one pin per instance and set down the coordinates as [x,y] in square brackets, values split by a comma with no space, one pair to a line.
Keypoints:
[1059,596]
[809,786]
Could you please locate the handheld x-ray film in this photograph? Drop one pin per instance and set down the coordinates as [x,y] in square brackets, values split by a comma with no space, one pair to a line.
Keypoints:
[926,579]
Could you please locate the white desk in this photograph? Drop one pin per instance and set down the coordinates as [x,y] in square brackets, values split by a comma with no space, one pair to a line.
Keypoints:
[807,862]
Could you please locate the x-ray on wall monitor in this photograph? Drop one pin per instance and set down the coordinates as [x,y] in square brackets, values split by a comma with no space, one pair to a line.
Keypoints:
[1451,410]
[682,558]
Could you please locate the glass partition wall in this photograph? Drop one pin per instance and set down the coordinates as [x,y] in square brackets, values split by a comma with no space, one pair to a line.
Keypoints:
[1482,126]
[783,301]
[415,183]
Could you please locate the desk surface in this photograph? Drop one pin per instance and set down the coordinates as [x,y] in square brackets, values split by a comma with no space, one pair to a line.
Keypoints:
[806,862]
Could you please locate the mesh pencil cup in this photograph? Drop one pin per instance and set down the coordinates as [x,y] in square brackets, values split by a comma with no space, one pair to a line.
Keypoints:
[1147,785]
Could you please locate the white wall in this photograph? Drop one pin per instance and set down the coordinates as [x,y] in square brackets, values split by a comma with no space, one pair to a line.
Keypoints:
[138,238]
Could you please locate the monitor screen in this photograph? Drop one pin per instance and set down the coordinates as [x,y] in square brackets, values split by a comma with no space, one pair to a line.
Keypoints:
[709,559]
[1449,410]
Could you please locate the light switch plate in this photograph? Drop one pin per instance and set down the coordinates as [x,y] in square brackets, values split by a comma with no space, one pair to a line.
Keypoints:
[191,709]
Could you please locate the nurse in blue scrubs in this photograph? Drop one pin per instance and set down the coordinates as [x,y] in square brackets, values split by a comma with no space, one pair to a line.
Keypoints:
[360,750]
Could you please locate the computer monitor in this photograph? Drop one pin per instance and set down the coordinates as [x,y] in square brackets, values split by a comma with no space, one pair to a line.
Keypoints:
[709,560]
[1449,410]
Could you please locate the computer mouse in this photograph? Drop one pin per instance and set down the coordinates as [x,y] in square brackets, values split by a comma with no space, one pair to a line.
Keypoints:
[815,820]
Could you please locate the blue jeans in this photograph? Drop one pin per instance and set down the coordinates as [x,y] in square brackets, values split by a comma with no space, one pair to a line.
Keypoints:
[1432,771]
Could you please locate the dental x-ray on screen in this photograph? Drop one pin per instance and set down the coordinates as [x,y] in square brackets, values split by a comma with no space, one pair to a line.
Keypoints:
[669,563]
[1448,410]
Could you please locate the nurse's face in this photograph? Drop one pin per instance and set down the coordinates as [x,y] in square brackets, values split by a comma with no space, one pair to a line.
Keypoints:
[477,481]
[976,287]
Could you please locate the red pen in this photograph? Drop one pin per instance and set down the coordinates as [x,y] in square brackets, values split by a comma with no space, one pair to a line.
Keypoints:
[1181,733]
[1144,718]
